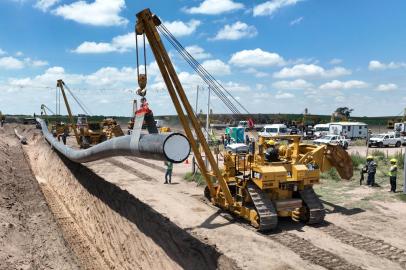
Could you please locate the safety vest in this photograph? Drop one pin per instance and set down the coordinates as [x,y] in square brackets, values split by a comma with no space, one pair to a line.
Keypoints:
[393,170]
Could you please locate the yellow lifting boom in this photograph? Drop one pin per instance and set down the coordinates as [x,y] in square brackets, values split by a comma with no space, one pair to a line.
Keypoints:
[251,186]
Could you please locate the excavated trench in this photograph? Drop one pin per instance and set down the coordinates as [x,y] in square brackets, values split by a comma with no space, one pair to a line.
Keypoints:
[107,227]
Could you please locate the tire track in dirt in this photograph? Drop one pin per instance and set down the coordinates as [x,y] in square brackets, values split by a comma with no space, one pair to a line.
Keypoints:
[375,246]
[309,252]
[305,249]
[131,170]
[148,164]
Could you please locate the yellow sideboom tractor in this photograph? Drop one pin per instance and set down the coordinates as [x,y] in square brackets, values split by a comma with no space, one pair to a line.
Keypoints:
[264,190]
[249,186]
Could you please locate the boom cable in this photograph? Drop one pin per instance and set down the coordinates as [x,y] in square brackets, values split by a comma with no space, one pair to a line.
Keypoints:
[217,87]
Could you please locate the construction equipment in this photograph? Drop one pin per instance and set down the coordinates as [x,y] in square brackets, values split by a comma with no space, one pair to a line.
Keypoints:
[90,133]
[58,127]
[392,122]
[249,186]
[111,128]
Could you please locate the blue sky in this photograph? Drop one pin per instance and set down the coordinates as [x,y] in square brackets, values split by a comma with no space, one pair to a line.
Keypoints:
[277,56]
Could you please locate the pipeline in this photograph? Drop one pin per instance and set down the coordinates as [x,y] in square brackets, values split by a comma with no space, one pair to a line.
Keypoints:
[173,147]
[23,140]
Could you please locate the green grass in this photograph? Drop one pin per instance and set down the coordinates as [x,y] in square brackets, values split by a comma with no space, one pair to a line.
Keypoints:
[331,174]
[358,161]
[378,154]
[401,197]
[197,178]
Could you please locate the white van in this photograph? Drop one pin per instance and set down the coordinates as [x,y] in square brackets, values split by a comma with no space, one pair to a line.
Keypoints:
[351,130]
[274,130]
[321,130]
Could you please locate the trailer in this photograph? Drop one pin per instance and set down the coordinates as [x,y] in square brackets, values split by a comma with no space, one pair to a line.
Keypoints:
[351,130]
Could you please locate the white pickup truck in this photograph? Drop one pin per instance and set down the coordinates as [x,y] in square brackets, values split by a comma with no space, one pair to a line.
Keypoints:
[385,140]
[333,139]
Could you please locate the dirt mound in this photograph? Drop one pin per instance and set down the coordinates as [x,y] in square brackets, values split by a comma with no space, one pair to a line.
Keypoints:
[107,227]
[29,236]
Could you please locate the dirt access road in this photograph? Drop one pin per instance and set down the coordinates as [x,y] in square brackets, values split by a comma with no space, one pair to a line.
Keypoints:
[29,236]
[117,213]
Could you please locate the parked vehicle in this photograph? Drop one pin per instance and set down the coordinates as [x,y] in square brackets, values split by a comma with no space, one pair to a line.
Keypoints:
[294,131]
[351,130]
[321,130]
[274,130]
[334,140]
[385,140]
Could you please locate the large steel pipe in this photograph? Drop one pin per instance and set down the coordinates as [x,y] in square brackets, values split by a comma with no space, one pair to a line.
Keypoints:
[172,147]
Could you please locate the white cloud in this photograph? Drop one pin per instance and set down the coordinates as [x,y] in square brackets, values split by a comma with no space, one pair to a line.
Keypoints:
[93,47]
[180,29]
[256,73]
[386,87]
[97,13]
[122,43]
[296,21]
[335,61]
[2,52]
[236,87]
[45,5]
[214,7]
[339,85]
[376,65]
[282,95]
[270,7]
[216,67]
[111,76]
[11,63]
[292,85]
[310,70]
[236,31]
[19,53]
[35,63]
[257,58]
[198,52]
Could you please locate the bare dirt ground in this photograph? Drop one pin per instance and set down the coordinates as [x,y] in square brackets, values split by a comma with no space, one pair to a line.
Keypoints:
[29,236]
[109,228]
[118,214]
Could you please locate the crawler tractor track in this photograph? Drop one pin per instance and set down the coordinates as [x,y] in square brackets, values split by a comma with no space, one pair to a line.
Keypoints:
[368,244]
[268,218]
[315,210]
[309,252]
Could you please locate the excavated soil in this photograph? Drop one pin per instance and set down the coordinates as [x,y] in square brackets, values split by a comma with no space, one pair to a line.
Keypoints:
[117,214]
[108,228]
[29,235]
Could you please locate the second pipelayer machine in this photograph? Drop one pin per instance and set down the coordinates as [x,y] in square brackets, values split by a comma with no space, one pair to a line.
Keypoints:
[248,186]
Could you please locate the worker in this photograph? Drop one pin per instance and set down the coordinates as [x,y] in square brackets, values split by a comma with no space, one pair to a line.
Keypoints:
[247,139]
[371,170]
[2,119]
[168,174]
[65,134]
[272,152]
[251,146]
[393,170]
